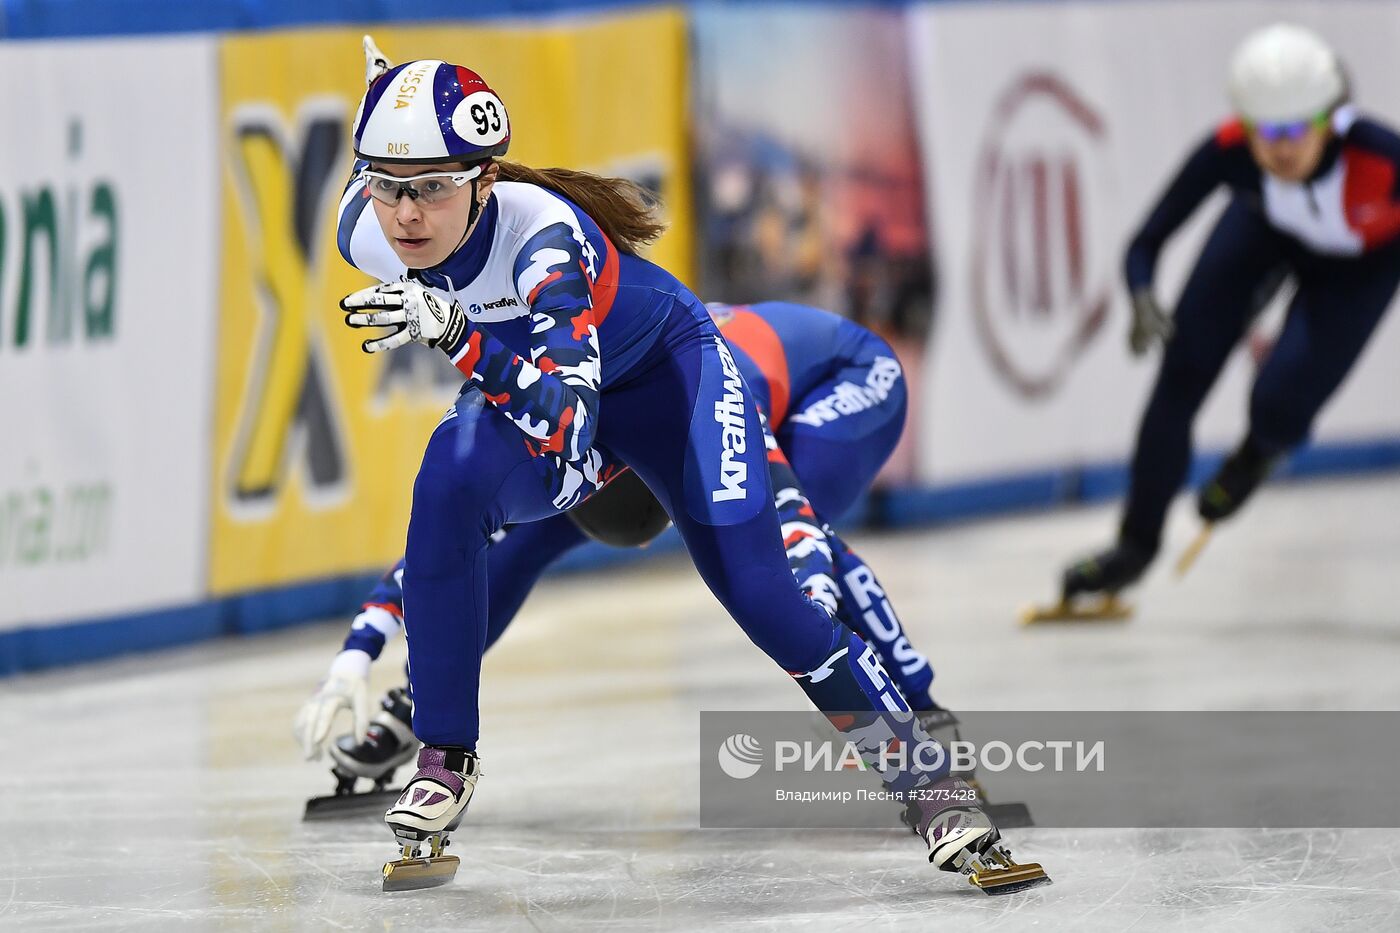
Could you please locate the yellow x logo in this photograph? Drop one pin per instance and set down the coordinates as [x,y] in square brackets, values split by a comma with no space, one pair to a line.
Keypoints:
[284,195]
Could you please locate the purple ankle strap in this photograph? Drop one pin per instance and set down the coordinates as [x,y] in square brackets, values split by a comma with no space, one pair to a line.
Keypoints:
[432,764]
[928,807]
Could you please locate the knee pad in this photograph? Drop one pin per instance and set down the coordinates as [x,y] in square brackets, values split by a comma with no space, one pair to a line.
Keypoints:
[624,513]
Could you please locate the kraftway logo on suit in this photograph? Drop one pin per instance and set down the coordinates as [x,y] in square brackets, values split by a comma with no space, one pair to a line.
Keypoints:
[478,307]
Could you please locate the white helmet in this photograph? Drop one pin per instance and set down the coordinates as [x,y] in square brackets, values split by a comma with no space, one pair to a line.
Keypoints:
[430,111]
[1284,73]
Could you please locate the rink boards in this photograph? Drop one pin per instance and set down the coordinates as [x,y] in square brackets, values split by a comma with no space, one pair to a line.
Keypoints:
[200,450]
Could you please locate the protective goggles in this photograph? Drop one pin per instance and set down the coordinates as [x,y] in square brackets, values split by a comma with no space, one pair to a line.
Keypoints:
[429,187]
[1291,130]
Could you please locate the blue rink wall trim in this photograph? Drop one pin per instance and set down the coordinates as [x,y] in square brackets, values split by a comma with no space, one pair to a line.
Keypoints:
[1049,488]
[63,19]
[42,647]
[70,19]
[67,19]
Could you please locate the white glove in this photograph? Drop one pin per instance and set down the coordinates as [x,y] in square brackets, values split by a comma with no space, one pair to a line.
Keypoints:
[345,687]
[415,313]
[376,62]
[1150,323]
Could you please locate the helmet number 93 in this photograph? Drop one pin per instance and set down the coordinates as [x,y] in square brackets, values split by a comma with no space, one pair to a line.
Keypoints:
[480,119]
[487,118]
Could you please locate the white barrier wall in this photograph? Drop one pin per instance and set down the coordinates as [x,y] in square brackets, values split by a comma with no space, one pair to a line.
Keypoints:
[108,295]
[1048,130]
[1044,132]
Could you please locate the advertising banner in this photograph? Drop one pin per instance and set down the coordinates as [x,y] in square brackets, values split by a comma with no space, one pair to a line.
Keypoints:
[317,444]
[811,186]
[108,292]
[1047,131]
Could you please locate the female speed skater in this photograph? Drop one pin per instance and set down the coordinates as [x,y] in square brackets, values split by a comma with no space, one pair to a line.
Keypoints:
[834,395]
[579,356]
[1315,193]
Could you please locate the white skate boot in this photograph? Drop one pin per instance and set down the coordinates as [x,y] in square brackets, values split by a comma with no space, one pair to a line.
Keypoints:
[962,838]
[431,806]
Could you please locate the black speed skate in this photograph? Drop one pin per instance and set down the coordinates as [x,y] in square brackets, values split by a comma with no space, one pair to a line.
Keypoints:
[389,742]
[1107,572]
[1241,473]
[1089,588]
[1232,485]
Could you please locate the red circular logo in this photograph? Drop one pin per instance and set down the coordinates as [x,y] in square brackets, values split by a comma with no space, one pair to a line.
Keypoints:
[1040,279]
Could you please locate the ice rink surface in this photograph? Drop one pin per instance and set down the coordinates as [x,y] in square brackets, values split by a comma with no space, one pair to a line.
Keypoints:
[165,791]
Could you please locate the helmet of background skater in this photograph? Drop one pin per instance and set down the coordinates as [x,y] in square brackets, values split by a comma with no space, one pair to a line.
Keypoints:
[624,513]
[1285,73]
[429,111]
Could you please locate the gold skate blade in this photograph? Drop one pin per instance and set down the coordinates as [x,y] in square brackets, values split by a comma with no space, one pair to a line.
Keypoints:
[1104,609]
[412,874]
[1008,879]
[1187,560]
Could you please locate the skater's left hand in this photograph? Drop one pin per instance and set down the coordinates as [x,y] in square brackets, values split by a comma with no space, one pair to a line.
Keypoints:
[415,313]
[1150,323]
[376,62]
[345,687]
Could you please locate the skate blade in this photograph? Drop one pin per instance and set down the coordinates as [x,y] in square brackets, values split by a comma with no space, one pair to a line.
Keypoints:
[341,806]
[1106,609]
[1008,879]
[418,873]
[1187,560]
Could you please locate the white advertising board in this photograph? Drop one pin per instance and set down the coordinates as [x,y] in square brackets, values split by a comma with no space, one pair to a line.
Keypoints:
[1048,130]
[108,291]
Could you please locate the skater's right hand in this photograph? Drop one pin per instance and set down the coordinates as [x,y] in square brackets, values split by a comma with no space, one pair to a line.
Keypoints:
[416,314]
[345,687]
[1150,323]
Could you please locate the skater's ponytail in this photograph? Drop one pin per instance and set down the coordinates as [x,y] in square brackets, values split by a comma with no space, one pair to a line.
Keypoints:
[622,209]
